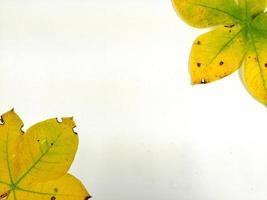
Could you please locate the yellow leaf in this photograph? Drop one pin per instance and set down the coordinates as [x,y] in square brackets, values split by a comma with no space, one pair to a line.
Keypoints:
[217,54]
[34,164]
[66,187]
[254,72]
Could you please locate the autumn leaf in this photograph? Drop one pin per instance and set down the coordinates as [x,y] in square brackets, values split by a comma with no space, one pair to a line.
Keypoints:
[34,164]
[240,37]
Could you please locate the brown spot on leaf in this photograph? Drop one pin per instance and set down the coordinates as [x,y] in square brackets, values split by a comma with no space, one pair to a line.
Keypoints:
[221,63]
[88,197]
[199,64]
[198,42]
[53,198]
[1,120]
[203,81]
[5,195]
[265,65]
[229,26]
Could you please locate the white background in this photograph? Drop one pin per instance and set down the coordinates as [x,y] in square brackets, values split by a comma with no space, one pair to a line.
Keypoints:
[120,67]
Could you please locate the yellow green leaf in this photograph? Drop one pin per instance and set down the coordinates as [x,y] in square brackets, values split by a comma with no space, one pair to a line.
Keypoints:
[253,7]
[217,54]
[34,164]
[241,36]
[205,13]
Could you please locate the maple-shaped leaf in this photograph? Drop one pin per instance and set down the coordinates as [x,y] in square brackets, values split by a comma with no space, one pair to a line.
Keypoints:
[240,37]
[34,165]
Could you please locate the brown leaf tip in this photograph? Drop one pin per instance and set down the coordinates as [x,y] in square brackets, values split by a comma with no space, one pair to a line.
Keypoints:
[88,197]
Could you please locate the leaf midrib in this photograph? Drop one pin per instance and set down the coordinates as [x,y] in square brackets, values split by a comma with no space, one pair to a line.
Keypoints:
[226,44]
[45,193]
[13,185]
[36,162]
[247,26]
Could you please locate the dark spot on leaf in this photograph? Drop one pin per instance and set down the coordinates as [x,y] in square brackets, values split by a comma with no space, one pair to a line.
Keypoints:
[265,65]
[229,26]
[5,195]
[199,64]
[1,120]
[38,140]
[221,63]
[88,197]
[254,16]
[53,198]
[52,144]
[203,81]
[56,190]
[230,31]
[198,42]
